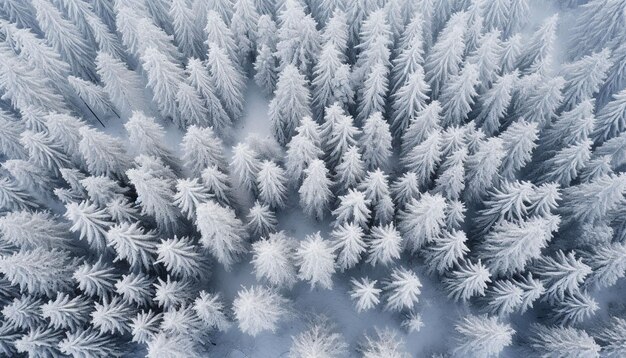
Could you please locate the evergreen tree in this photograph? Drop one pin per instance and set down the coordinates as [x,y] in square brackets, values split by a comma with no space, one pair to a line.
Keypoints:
[611,119]
[319,339]
[272,260]
[96,279]
[403,289]
[90,222]
[315,193]
[112,316]
[384,245]
[302,149]
[103,154]
[469,279]
[519,140]
[261,219]
[201,149]
[444,59]
[567,341]
[458,95]
[272,186]
[289,105]
[405,188]
[422,220]
[446,251]
[65,38]
[419,128]
[348,241]
[386,343]
[424,158]
[180,257]
[88,342]
[245,165]
[38,271]
[119,83]
[133,244]
[495,103]
[338,133]
[222,232]
[189,194]
[227,80]
[482,167]
[186,32]
[365,293]
[298,39]
[350,170]
[259,309]
[409,100]
[316,261]
[243,25]
[482,336]
[575,308]
[561,274]
[155,196]
[372,97]
[210,309]
[376,142]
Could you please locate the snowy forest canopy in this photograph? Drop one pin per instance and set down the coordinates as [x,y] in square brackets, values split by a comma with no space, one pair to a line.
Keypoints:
[312,178]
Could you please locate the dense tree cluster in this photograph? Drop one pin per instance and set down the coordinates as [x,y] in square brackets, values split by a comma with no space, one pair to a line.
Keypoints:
[434,142]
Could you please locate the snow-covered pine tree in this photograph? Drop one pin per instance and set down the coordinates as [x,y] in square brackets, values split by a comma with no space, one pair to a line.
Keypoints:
[298,39]
[39,271]
[66,38]
[444,59]
[90,221]
[186,32]
[103,154]
[202,148]
[133,244]
[446,251]
[272,184]
[289,105]
[568,341]
[562,274]
[119,83]
[365,293]
[259,309]
[210,309]
[273,260]
[403,289]
[338,134]
[261,219]
[227,80]
[181,258]
[243,25]
[376,141]
[482,336]
[482,167]
[315,258]
[245,166]
[384,245]
[458,95]
[319,339]
[495,102]
[348,241]
[302,149]
[96,279]
[315,193]
[385,343]
[409,100]
[155,195]
[467,280]
[422,220]
[222,232]
[354,208]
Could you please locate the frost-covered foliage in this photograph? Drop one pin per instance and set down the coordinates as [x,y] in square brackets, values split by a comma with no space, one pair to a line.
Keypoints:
[444,167]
